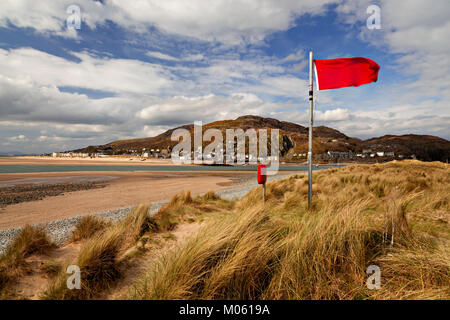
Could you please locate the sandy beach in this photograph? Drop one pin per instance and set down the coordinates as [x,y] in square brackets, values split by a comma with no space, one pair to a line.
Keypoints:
[122,189]
[119,189]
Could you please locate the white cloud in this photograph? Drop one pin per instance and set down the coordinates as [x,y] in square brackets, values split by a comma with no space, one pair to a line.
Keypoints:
[127,76]
[114,75]
[417,31]
[332,115]
[49,17]
[300,66]
[183,110]
[194,57]
[226,21]
[299,55]
[161,56]
[23,99]
[417,25]
[19,138]
[284,86]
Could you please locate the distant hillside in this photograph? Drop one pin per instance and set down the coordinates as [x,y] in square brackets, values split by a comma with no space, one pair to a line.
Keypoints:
[295,140]
[424,147]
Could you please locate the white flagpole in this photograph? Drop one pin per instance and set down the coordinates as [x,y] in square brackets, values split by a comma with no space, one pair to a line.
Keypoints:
[311,61]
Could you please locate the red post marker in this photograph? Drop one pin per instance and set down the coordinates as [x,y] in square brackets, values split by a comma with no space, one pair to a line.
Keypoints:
[262,178]
[262,174]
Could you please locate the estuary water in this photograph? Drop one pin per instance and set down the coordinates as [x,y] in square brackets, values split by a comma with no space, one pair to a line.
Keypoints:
[104,168]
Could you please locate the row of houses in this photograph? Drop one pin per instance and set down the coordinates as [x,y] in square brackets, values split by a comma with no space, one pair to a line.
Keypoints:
[77,155]
[350,154]
[70,155]
[376,154]
[370,154]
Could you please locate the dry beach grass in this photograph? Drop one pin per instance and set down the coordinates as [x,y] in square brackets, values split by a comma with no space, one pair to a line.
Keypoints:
[393,215]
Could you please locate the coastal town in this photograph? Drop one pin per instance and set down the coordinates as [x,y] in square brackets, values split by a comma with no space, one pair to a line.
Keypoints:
[165,154]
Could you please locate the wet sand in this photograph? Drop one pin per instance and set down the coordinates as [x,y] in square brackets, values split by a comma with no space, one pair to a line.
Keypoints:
[123,189]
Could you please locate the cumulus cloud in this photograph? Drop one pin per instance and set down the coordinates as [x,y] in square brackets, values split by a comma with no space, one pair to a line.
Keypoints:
[418,33]
[91,72]
[23,99]
[229,22]
[183,110]
[332,115]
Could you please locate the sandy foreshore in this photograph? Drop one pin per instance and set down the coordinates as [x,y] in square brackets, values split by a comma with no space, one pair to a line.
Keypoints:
[122,189]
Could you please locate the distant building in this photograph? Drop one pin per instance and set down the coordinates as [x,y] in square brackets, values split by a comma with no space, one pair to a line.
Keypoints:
[339,155]
[165,152]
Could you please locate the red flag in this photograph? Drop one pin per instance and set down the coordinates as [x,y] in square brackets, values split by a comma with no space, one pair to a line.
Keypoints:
[345,72]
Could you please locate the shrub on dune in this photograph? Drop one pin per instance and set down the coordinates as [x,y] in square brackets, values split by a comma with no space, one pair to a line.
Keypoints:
[31,240]
[100,258]
[87,227]
[99,267]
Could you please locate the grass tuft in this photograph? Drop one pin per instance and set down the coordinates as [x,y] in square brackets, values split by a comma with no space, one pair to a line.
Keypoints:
[87,227]
[31,240]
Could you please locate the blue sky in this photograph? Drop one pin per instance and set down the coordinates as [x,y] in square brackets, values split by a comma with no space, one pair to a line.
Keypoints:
[137,69]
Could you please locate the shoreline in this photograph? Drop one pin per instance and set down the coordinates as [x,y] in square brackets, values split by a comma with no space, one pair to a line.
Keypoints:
[131,160]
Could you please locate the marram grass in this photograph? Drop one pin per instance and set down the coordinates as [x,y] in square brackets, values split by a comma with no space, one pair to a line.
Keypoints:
[393,215]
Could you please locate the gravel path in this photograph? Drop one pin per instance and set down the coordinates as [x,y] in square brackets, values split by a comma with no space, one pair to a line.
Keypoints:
[60,231]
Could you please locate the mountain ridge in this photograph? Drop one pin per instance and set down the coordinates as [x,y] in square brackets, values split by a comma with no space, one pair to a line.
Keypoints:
[295,140]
